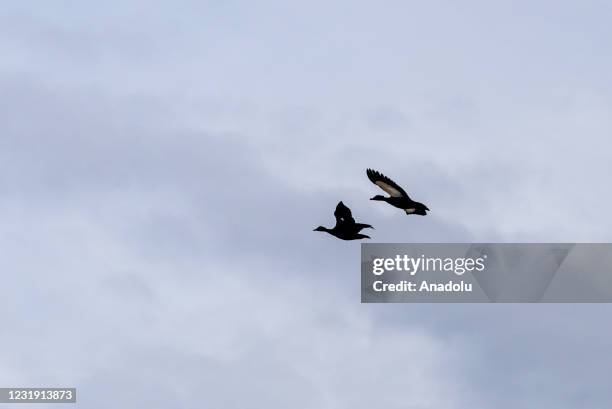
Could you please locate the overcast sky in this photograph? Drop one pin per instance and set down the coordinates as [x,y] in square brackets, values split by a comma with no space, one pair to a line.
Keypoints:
[163,164]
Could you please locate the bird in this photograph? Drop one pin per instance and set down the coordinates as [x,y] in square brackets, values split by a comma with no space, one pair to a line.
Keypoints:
[397,196]
[345,228]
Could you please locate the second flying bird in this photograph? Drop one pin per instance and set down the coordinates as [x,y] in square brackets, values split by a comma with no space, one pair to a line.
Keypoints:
[397,196]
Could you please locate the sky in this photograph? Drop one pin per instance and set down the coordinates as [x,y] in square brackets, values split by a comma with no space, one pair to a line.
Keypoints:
[163,164]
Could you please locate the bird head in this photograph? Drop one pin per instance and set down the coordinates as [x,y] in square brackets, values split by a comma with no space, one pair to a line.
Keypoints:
[320,228]
[378,197]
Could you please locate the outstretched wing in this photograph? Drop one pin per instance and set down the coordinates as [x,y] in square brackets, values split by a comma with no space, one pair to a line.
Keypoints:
[386,184]
[343,214]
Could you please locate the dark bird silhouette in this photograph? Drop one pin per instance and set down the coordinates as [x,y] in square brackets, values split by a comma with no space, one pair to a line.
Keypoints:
[397,196]
[345,228]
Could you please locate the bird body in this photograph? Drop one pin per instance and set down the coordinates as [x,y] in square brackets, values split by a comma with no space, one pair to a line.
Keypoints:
[397,196]
[342,233]
[345,228]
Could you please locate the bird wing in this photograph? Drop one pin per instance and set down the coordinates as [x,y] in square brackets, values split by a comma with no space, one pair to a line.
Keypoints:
[343,214]
[386,184]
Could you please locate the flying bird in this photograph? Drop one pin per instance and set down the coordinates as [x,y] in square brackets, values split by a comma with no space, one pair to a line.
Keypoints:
[345,228]
[397,196]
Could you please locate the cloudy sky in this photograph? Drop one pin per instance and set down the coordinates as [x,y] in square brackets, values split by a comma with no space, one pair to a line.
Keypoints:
[163,164]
